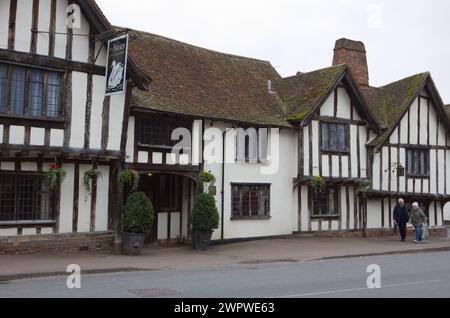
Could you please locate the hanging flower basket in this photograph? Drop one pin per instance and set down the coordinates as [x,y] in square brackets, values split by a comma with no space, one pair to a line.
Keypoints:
[209,181]
[318,184]
[54,175]
[89,177]
[131,178]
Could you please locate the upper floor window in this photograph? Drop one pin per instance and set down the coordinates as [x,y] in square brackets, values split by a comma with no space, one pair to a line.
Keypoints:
[418,162]
[251,200]
[252,145]
[30,92]
[157,132]
[326,202]
[335,137]
[24,198]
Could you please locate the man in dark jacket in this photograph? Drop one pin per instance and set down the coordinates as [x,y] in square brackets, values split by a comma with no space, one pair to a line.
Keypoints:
[401,217]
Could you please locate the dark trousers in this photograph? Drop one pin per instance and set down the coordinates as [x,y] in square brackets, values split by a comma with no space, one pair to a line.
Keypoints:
[402,229]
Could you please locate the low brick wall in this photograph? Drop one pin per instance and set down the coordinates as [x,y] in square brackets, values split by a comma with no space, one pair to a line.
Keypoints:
[437,232]
[57,243]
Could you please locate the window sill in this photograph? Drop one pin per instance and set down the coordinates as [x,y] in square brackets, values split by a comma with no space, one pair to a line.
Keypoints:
[33,121]
[325,217]
[250,218]
[417,176]
[27,223]
[335,152]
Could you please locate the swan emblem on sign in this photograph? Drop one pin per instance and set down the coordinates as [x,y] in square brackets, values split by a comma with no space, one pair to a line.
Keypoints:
[115,79]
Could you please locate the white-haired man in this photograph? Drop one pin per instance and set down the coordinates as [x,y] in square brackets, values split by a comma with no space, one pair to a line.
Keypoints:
[418,219]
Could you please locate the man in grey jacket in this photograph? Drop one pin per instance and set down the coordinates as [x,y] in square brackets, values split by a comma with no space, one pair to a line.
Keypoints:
[418,219]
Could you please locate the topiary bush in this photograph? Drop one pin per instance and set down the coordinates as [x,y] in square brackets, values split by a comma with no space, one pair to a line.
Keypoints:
[138,214]
[205,216]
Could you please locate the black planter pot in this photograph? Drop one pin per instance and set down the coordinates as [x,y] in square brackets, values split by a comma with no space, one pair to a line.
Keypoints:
[132,243]
[201,240]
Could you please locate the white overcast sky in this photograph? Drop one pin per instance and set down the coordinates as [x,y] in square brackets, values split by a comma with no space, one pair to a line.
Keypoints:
[402,37]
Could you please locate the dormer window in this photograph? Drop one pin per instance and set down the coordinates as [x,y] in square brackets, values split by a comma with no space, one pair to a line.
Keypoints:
[29,92]
[335,137]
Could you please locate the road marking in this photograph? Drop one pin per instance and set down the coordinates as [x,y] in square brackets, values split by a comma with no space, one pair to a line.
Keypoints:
[360,289]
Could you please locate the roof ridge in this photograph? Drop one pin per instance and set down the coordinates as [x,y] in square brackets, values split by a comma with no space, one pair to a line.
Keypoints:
[401,80]
[314,71]
[197,46]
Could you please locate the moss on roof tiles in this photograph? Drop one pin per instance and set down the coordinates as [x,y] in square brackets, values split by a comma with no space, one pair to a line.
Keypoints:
[389,102]
[303,92]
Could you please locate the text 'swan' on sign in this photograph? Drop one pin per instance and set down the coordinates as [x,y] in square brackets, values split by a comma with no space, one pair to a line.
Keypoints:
[116,69]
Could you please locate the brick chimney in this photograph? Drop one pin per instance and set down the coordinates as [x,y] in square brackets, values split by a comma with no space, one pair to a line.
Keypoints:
[353,53]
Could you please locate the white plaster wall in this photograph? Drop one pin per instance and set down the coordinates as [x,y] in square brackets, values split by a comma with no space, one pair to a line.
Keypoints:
[4,26]
[56,137]
[374,214]
[116,121]
[282,190]
[16,135]
[44,25]
[101,208]
[79,96]
[29,166]
[61,27]
[23,25]
[67,193]
[84,204]
[37,137]
[306,151]
[354,149]
[327,108]
[130,140]
[80,44]
[98,96]
[344,104]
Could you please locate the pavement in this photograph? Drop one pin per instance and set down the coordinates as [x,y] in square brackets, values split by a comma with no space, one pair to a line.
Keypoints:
[289,250]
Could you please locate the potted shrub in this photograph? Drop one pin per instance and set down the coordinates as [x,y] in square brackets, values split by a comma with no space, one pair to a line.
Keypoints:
[138,216]
[205,219]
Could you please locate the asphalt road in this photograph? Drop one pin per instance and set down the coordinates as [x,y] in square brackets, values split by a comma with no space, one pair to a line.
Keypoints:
[418,275]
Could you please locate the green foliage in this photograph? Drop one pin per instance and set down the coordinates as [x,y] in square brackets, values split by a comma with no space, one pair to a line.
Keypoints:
[54,175]
[138,214]
[365,185]
[130,178]
[205,216]
[207,177]
[318,184]
[90,176]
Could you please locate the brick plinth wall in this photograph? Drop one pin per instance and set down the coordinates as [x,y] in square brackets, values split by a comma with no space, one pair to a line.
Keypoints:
[434,233]
[57,243]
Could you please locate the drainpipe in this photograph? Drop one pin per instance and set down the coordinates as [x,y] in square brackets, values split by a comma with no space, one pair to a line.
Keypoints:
[222,193]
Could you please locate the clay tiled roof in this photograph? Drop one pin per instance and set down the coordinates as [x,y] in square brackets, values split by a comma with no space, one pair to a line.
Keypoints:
[194,81]
[303,92]
[389,102]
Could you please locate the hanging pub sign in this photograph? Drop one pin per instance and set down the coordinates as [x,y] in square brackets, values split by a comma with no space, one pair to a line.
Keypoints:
[116,69]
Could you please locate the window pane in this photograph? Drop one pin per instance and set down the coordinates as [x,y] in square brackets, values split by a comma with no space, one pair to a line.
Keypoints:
[325,137]
[341,138]
[251,200]
[53,94]
[25,198]
[36,91]
[3,87]
[7,199]
[333,137]
[17,90]
[22,196]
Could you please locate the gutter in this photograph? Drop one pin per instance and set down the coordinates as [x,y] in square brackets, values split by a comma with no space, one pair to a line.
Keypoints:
[222,193]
